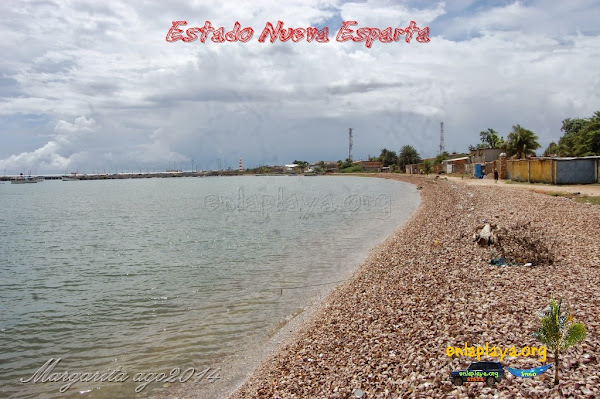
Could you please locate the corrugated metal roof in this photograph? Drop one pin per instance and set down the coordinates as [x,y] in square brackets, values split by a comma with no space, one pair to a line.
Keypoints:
[455,159]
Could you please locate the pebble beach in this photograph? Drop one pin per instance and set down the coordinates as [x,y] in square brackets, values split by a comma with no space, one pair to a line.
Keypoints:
[384,333]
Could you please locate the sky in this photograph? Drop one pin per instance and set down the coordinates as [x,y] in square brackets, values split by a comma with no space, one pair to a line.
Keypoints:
[95,87]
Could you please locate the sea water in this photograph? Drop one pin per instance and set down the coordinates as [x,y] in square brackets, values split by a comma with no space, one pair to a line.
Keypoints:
[128,279]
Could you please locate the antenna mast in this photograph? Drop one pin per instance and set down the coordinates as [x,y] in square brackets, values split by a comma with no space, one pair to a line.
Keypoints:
[350,144]
[442,145]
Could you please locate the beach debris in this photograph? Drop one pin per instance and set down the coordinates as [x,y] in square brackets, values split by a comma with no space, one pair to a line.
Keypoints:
[524,244]
[518,245]
[498,261]
[485,235]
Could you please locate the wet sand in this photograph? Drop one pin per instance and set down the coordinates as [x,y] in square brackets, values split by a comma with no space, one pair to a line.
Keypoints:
[429,286]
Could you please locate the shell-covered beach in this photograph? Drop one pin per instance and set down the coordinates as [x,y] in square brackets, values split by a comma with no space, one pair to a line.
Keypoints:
[384,333]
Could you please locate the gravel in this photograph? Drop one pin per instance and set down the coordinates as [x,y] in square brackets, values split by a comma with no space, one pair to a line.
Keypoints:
[384,333]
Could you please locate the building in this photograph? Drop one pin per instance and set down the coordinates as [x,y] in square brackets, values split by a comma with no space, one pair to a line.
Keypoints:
[485,155]
[455,165]
[482,162]
[413,168]
[370,166]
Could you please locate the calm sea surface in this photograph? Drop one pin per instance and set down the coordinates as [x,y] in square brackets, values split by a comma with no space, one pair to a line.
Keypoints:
[146,276]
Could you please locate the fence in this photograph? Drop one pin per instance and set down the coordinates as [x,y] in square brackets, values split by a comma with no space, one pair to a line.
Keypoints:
[555,170]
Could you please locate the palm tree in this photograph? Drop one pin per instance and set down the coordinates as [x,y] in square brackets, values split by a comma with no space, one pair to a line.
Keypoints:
[427,167]
[408,155]
[521,141]
[557,331]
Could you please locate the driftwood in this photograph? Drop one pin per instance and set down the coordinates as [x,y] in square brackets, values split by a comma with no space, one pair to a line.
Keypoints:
[520,243]
[486,235]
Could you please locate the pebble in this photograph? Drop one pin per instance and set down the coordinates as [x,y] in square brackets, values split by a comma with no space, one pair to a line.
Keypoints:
[387,329]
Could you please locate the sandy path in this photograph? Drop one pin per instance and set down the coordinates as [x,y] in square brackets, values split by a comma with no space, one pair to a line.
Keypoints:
[583,189]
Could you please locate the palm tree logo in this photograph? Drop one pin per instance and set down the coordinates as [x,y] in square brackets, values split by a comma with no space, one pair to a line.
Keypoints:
[558,331]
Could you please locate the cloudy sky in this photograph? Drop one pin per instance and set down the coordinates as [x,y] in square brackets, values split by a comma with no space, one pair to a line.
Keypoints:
[91,86]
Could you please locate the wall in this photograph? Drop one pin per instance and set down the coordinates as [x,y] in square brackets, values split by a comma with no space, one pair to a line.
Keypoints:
[532,170]
[554,171]
[502,167]
[459,167]
[454,166]
[575,171]
[540,171]
[487,155]
[518,170]
[412,168]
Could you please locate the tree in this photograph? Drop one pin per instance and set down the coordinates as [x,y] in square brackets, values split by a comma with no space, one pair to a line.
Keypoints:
[408,155]
[479,146]
[346,164]
[441,157]
[301,164]
[571,143]
[521,141]
[591,139]
[553,149]
[427,167]
[558,331]
[490,139]
[388,157]
[581,137]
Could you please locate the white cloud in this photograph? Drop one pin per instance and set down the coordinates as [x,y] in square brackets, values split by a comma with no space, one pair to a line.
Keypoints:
[381,14]
[57,154]
[118,95]
[44,158]
[82,124]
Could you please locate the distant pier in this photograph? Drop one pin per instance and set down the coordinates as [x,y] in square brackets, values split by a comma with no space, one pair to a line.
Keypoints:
[148,175]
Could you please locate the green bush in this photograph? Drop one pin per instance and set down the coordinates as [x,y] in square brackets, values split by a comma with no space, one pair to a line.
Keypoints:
[353,169]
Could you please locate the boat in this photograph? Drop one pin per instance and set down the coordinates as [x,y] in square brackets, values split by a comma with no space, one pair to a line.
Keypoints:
[73,177]
[24,179]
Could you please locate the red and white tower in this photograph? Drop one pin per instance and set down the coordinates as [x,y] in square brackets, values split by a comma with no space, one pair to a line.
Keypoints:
[241,167]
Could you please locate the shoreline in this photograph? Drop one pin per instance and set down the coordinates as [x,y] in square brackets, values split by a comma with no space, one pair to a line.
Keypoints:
[246,362]
[428,286]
